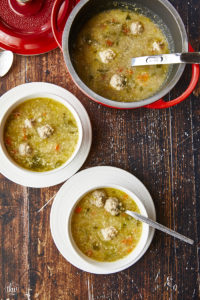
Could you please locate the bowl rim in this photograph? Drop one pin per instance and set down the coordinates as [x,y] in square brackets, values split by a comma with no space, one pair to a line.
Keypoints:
[117,265]
[116,104]
[46,179]
[14,104]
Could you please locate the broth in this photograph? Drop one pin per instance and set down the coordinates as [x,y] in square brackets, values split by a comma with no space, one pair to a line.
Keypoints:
[41,134]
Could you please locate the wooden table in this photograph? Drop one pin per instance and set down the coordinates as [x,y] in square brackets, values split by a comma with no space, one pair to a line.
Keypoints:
[160,147]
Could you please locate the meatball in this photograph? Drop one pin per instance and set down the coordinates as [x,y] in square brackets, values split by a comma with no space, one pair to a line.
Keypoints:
[45,131]
[24,149]
[109,233]
[118,82]
[157,46]
[136,28]
[107,55]
[29,123]
[112,206]
[98,198]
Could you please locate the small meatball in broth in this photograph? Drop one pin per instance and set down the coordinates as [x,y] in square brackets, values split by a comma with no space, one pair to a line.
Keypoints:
[25,149]
[45,131]
[109,233]
[107,55]
[136,28]
[112,206]
[118,82]
[98,198]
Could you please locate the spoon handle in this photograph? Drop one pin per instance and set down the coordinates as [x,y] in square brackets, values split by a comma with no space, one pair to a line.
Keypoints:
[190,57]
[166,59]
[159,226]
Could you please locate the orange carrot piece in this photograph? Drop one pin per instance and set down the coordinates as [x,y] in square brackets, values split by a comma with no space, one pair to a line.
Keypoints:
[129,250]
[143,77]
[57,147]
[109,43]
[89,253]
[16,114]
[8,141]
[129,71]
[120,70]
[78,210]
[127,241]
[25,136]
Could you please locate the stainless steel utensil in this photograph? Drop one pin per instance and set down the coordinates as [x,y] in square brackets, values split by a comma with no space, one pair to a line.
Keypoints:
[166,59]
[6,61]
[159,227]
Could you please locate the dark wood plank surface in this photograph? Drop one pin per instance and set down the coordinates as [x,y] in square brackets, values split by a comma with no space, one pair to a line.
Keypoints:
[160,147]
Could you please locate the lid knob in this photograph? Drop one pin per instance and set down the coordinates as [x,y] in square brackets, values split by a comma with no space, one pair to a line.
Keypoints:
[26,8]
[23,1]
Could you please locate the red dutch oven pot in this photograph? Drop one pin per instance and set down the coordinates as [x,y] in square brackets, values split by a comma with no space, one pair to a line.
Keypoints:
[73,14]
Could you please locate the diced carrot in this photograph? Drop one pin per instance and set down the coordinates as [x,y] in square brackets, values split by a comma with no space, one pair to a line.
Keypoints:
[103,26]
[109,43]
[78,210]
[128,241]
[44,114]
[103,76]
[57,147]
[25,136]
[124,214]
[89,253]
[16,114]
[129,250]
[125,196]
[143,77]
[8,140]
[130,71]
[125,29]
[120,70]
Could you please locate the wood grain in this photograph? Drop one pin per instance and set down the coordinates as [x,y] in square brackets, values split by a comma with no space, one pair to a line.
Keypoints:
[160,147]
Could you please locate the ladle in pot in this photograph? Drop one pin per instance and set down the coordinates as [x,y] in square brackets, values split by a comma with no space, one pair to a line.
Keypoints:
[166,59]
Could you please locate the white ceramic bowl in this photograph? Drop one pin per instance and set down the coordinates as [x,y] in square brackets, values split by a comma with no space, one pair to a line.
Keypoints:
[10,163]
[106,267]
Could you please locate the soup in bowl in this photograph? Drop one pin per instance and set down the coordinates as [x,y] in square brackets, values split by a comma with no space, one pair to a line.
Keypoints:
[41,133]
[101,233]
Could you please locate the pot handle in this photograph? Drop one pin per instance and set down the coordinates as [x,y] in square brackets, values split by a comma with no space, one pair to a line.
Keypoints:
[60,13]
[195,77]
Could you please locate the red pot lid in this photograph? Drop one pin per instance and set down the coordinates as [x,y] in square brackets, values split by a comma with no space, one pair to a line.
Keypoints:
[25,26]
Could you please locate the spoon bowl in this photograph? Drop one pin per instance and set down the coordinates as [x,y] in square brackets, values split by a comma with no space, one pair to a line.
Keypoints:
[6,61]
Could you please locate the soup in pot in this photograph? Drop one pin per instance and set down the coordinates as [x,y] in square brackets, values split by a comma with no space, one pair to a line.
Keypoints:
[101,229]
[41,134]
[103,50]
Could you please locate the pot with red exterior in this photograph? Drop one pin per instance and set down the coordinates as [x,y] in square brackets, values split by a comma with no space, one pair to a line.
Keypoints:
[76,17]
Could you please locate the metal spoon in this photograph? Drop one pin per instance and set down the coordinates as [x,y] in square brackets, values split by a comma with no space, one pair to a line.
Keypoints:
[165,59]
[6,61]
[159,226]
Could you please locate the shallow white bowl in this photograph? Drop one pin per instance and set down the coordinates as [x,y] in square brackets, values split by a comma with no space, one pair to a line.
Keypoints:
[20,94]
[33,96]
[106,267]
